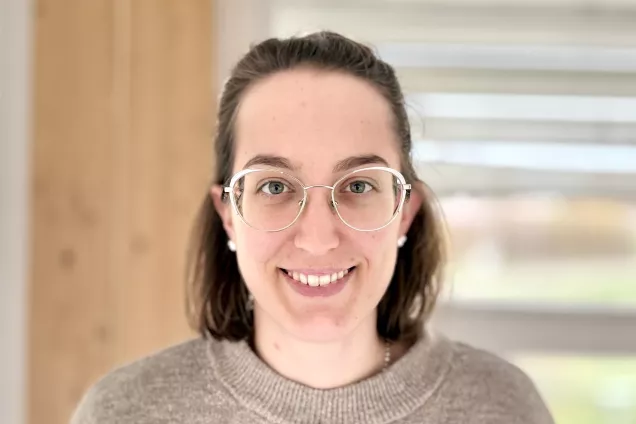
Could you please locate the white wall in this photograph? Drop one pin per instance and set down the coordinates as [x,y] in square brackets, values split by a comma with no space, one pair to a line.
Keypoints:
[239,23]
[15,52]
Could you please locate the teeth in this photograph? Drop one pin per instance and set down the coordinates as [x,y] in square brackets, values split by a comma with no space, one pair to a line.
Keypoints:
[317,280]
[313,280]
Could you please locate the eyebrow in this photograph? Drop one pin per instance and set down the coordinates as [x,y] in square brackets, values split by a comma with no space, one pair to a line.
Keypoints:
[343,165]
[355,161]
[271,160]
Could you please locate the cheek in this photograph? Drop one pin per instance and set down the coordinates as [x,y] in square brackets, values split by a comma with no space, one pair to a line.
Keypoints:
[380,250]
[258,248]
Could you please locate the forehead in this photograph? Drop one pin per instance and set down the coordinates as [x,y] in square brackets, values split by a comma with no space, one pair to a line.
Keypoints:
[314,119]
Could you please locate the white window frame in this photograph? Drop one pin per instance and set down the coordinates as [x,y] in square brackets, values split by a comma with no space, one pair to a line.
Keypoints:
[509,328]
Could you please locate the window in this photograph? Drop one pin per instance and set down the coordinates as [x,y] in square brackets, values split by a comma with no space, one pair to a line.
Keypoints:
[524,124]
[586,390]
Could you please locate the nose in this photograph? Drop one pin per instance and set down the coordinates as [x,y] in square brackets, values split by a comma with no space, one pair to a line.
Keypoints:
[317,231]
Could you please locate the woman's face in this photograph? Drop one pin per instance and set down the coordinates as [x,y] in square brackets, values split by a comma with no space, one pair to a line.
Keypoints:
[314,120]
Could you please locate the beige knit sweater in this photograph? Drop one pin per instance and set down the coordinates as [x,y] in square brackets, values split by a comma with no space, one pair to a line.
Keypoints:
[206,381]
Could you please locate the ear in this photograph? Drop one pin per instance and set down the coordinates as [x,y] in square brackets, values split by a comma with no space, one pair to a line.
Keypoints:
[411,207]
[224,209]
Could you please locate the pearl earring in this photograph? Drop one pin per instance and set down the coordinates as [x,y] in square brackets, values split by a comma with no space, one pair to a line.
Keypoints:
[231,245]
[250,302]
[401,241]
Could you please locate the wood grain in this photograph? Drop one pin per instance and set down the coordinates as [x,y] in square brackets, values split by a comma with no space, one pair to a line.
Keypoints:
[122,152]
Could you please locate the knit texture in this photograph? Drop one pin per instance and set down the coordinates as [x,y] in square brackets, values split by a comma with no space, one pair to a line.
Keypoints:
[207,381]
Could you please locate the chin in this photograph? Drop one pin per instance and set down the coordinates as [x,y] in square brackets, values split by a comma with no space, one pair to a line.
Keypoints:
[321,328]
[325,322]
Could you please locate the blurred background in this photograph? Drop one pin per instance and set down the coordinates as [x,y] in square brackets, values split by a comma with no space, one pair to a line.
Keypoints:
[524,124]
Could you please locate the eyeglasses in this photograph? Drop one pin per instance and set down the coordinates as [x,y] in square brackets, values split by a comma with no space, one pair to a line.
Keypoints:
[366,199]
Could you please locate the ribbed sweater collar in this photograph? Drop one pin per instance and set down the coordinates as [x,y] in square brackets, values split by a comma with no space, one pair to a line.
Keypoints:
[382,398]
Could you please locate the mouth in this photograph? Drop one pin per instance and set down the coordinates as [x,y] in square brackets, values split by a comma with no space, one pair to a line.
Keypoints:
[318,279]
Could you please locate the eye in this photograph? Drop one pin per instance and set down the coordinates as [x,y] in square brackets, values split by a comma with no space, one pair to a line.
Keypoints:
[359,187]
[274,187]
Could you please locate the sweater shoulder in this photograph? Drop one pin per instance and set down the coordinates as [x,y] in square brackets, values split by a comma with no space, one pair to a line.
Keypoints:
[154,386]
[493,389]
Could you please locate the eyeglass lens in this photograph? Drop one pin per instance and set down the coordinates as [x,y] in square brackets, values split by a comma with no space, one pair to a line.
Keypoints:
[272,200]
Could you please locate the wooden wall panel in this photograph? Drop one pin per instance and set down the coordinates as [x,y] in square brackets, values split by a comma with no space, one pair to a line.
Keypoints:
[123,115]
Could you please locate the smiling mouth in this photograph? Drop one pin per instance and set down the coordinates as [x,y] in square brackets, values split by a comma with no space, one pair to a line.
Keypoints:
[320,280]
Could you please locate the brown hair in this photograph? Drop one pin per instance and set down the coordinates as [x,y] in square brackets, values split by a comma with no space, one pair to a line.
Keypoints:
[216,292]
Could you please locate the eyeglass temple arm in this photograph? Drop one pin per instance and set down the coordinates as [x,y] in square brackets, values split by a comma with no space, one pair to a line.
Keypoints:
[407,187]
[226,192]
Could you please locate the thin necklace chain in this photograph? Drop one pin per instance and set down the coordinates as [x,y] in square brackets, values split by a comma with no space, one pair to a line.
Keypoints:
[387,355]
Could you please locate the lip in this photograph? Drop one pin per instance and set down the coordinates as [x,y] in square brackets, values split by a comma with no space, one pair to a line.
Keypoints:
[330,289]
[318,271]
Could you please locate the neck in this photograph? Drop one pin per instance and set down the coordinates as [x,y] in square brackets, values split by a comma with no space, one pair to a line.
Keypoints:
[321,365]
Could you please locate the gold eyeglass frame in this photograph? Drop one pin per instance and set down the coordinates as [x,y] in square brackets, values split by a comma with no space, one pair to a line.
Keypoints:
[405,194]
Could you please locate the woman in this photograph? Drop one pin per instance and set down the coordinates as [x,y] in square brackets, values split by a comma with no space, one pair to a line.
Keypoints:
[316,266]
